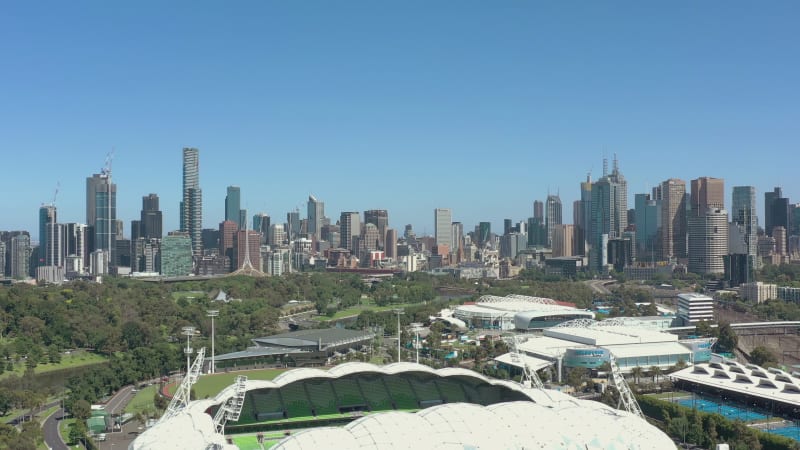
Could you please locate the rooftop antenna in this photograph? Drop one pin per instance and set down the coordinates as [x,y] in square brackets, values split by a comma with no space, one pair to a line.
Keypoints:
[605,166]
[616,163]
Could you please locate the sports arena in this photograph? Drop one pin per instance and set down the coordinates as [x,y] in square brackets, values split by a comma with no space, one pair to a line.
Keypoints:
[402,405]
[519,312]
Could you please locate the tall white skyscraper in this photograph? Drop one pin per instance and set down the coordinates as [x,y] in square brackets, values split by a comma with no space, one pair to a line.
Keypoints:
[552,216]
[443,223]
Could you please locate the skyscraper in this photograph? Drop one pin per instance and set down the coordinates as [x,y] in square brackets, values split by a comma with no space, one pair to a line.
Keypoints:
[443,226]
[776,213]
[316,212]
[261,224]
[648,219]
[227,235]
[609,216]
[708,242]
[292,225]
[379,218]
[192,204]
[47,216]
[350,227]
[744,216]
[151,219]
[176,254]
[552,217]
[538,210]
[673,219]
[19,256]
[233,203]
[391,243]
[707,193]
[104,220]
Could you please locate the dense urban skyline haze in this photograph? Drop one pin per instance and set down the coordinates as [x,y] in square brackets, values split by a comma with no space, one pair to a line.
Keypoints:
[474,106]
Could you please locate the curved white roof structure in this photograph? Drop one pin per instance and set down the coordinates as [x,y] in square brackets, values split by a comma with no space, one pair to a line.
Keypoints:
[518,311]
[550,420]
[565,424]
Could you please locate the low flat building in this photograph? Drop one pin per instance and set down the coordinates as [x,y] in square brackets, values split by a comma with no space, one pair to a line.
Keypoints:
[758,292]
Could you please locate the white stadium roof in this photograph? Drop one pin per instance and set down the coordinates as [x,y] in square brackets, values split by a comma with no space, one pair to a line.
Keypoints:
[610,335]
[533,362]
[565,423]
[550,420]
[547,347]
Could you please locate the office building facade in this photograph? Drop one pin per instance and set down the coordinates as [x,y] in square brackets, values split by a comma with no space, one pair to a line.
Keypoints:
[191,207]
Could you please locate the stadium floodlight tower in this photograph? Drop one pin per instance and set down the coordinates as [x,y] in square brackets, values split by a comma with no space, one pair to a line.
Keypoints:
[399,312]
[188,332]
[530,379]
[182,395]
[212,313]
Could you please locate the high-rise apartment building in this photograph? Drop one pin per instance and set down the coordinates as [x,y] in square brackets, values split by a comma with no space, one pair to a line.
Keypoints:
[176,254]
[47,249]
[379,218]
[151,222]
[192,203]
[350,227]
[443,226]
[708,242]
[292,225]
[19,256]
[484,234]
[583,218]
[563,243]
[707,193]
[233,205]
[277,235]
[552,216]
[457,243]
[609,213]
[673,219]
[316,212]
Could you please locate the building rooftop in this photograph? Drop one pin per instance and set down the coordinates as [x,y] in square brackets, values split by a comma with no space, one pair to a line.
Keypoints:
[306,338]
[770,384]
[610,335]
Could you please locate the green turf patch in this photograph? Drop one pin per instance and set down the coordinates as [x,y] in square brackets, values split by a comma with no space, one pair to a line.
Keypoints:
[247,442]
[75,359]
[142,401]
[211,385]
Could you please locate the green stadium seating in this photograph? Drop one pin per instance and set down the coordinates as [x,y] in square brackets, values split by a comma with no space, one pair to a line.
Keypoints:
[489,394]
[267,405]
[401,392]
[471,392]
[322,397]
[375,392]
[451,390]
[296,400]
[425,389]
[348,393]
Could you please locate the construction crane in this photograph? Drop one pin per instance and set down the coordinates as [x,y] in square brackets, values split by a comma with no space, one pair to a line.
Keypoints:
[529,377]
[106,170]
[182,395]
[231,409]
[627,401]
[55,194]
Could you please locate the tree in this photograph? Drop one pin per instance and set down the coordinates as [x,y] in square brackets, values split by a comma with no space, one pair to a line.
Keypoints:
[6,401]
[655,371]
[637,373]
[82,410]
[727,337]
[763,356]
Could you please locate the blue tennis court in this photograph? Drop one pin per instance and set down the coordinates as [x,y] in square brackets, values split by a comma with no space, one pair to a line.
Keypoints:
[792,431]
[727,410]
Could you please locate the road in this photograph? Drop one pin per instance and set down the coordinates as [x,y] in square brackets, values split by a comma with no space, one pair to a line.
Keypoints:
[598,286]
[51,436]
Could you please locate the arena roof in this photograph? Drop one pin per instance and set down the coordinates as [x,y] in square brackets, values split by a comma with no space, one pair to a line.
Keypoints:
[610,335]
[306,338]
[547,347]
[771,384]
[533,362]
[255,352]
[565,423]
[645,350]
[550,420]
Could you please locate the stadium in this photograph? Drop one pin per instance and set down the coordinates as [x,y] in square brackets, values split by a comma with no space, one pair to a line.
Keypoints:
[401,405]
[519,312]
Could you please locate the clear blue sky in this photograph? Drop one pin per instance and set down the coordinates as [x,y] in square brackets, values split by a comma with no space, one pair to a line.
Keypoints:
[408,105]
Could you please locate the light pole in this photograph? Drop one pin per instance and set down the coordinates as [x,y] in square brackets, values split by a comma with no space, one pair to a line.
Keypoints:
[212,313]
[188,332]
[399,312]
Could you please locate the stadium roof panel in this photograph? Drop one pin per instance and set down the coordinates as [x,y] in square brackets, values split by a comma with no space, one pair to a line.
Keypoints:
[610,335]
[565,424]
[305,338]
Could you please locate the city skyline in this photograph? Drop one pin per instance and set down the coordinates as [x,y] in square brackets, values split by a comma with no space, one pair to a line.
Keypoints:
[280,96]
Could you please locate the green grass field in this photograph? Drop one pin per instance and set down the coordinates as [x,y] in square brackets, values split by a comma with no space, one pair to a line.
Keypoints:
[211,385]
[142,401]
[75,359]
